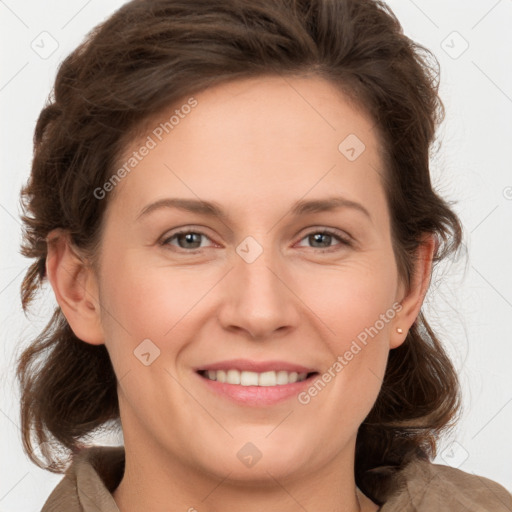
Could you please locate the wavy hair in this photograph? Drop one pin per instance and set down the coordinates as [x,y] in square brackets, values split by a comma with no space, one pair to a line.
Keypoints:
[150,54]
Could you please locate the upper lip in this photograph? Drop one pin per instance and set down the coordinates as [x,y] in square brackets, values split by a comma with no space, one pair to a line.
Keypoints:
[256,366]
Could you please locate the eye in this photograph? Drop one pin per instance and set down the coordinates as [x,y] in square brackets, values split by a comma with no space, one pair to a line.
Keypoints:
[186,239]
[322,239]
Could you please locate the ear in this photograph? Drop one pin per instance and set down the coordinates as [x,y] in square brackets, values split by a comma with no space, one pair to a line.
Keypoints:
[413,299]
[75,287]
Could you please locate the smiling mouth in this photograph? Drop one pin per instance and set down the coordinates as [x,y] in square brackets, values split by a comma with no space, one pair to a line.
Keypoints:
[262,379]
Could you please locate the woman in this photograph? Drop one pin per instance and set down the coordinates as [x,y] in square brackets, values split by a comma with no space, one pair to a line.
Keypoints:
[231,201]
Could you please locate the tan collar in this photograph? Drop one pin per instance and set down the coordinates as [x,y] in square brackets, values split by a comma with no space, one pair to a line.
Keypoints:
[420,487]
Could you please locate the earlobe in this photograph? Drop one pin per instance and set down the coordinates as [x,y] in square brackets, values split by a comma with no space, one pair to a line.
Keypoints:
[413,300]
[75,287]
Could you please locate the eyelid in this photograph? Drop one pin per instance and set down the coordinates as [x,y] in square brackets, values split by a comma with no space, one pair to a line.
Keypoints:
[344,238]
[199,230]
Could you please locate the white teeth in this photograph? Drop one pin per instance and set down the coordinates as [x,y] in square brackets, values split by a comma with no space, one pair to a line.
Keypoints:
[246,378]
[282,378]
[267,379]
[233,377]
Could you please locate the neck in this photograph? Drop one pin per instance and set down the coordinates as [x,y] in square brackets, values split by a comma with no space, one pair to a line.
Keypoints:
[156,480]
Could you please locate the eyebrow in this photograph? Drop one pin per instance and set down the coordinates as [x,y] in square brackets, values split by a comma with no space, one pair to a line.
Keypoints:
[213,209]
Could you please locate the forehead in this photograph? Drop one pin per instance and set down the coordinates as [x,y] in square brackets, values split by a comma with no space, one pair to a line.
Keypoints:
[278,111]
[249,138]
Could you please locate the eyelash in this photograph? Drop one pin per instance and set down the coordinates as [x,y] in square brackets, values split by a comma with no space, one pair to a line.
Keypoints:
[344,241]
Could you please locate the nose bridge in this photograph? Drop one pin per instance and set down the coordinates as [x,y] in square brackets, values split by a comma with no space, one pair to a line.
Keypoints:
[259,301]
[260,285]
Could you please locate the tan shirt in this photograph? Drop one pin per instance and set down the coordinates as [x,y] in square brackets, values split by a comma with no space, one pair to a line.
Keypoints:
[96,471]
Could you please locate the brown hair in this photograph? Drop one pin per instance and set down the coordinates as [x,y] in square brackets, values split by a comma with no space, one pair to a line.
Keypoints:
[152,53]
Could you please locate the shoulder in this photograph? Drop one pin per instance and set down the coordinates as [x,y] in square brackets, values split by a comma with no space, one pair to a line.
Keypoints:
[424,486]
[93,474]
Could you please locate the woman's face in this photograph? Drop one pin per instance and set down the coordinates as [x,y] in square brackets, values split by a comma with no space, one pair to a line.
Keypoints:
[254,291]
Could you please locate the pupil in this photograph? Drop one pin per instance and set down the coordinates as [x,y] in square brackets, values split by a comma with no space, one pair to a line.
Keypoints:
[317,237]
[189,239]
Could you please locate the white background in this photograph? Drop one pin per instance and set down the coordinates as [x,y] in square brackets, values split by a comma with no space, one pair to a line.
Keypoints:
[470,302]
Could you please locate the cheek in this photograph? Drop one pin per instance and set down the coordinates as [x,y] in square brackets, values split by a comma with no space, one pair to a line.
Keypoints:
[357,305]
[363,320]
[147,300]
[143,302]
[351,379]
[354,301]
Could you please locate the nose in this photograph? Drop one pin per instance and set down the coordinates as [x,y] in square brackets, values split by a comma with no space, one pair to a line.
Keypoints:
[259,299]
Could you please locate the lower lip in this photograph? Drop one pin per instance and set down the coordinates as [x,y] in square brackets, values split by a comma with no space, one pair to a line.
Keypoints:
[257,395]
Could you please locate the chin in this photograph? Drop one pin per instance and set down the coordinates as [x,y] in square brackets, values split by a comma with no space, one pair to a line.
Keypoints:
[257,462]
